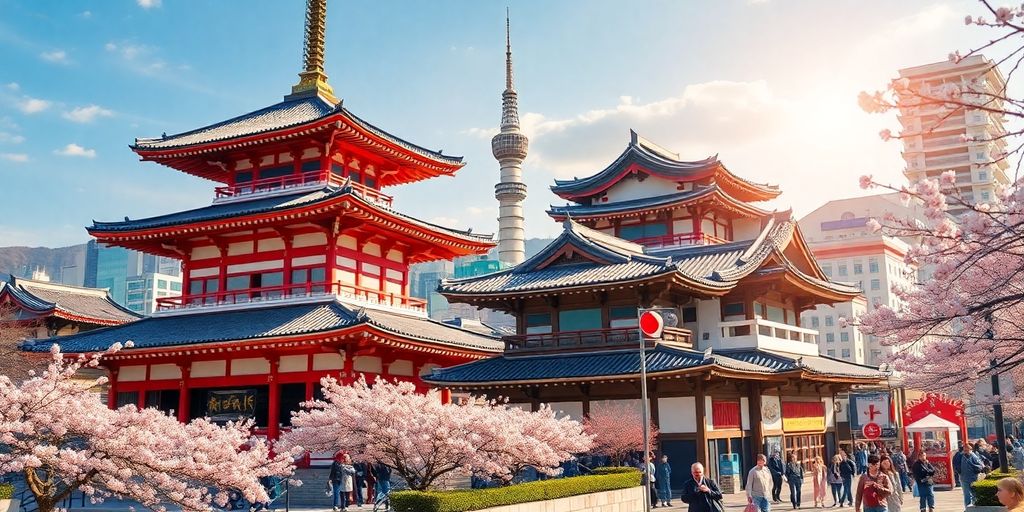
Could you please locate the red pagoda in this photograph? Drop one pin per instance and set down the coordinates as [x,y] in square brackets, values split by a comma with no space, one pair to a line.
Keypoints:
[297,270]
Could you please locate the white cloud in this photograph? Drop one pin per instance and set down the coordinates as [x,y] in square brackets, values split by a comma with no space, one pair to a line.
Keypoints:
[87,114]
[33,105]
[11,138]
[86,14]
[15,157]
[76,151]
[12,86]
[148,4]
[55,56]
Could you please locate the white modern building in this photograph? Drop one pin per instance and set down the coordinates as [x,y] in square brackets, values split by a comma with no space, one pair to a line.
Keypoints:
[968,141]
[849,251]
[144,290]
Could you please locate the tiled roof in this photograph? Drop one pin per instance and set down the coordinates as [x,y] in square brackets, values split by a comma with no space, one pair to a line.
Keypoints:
[264,321]
[286,114]
[580,210]
[654,159]
[89,305]
[265,205]
[611,363]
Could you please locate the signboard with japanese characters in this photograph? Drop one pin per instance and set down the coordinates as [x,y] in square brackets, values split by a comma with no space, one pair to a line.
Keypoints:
[231,405]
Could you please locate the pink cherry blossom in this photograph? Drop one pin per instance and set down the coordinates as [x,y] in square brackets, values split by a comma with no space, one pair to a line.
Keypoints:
[424,439]
[866,181]
[1004,14]
[968,20]
[618,430]
[57,433]
[885,134]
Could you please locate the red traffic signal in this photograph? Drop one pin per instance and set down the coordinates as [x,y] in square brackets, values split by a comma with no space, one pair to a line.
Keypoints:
[651,324]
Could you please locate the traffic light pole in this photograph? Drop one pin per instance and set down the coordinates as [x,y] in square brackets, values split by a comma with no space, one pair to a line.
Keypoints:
[644,413]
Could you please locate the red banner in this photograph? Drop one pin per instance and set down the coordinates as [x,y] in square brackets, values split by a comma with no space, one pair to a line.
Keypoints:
[725,414]
[803,416]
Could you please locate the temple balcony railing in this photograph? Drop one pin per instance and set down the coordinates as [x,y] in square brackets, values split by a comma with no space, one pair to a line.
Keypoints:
[294,182]
[356,293]
[766,334]
[595,338]
[657,242]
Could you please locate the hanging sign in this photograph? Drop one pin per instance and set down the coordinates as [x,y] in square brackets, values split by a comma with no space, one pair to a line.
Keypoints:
[231,405]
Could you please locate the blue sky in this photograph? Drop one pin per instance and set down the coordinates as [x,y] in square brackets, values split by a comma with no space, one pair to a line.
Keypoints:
[770,86]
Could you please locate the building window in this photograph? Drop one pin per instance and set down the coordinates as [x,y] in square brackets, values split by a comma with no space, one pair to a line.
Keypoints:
[830,337]
[623,316]
[161,284]
[827,270]
[858,268]
[207,288]
[776,314]
[831,353]
[175,286]
[538,323]
[846,353]
[640,231]
[579,319]
[876,356]
[689,314]
[814,322]
[828,321]
[984,194]
[876,284]
[734,309]
[306,279]
[873,265]
[982,175]
[842,270]
[844,336]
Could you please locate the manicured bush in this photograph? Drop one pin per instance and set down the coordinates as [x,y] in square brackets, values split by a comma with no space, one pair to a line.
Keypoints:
[985,492]
[463,500]
[6,491]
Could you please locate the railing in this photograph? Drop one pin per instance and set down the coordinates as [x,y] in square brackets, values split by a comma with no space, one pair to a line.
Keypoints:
[768,328]
[267,293]
[590,338]
[653,242]
[297,180]
[963,158]
[954,140]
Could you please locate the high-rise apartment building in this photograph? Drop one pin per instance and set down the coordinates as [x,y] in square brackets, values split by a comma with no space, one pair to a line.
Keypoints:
[968,141]
[112,268]
[848,251]
[144,290]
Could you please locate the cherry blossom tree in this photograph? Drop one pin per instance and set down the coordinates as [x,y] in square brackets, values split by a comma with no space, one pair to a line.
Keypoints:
[965,320]
[424,439]
[56,432]
[618,430]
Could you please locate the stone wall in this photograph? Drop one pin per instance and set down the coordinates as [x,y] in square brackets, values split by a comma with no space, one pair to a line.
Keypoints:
[621,500]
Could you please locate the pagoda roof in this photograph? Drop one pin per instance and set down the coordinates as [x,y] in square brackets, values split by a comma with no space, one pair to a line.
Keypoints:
[268,211]
[661,361]
[644,156]
[73,303]
[645,205]
[292,118]
[327,317]
[586,258]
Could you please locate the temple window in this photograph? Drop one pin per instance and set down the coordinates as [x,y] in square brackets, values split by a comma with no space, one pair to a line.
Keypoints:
[204,287]
[640,231]
[734,311]
[579,319]
[775,314]
[623,316]
[310,166]
[277,172]
[689,314]
[301,276]
[538,323]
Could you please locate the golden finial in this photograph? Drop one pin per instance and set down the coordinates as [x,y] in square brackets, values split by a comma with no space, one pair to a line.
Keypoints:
[312,79]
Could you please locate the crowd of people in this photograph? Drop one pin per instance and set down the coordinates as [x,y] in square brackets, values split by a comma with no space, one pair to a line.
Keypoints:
[347,482]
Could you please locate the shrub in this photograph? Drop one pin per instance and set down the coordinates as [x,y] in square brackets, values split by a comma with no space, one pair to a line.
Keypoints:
[603,479]
[985,492]
[6,491]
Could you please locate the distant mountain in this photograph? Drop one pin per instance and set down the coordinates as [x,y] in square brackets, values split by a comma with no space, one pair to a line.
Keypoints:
[63,262]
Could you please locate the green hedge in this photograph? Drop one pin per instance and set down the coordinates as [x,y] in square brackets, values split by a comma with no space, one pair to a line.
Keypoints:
[6,491]
[604,479]
[985,492]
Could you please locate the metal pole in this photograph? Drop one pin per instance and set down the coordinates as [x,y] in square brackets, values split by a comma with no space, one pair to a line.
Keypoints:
[644,413]
[997,407]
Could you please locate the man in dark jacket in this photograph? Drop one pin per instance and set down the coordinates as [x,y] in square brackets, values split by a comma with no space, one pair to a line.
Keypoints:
[776,466]
[700,492]
[846,470]
[958,458]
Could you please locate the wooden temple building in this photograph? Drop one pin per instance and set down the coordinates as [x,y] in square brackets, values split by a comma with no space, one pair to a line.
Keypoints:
[297,269]
[736,375]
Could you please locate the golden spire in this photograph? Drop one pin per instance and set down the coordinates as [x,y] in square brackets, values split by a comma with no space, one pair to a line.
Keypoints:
[312,79]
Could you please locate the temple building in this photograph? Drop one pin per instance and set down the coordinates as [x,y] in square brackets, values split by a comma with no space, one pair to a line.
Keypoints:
[735,372]
[297,269]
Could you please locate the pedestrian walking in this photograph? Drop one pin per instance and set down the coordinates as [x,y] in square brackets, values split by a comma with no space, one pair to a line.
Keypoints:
[382,489]
[847,470]
[894,502]
[924,477]
[1010,492]
[777,467]
[759,482]
[899,461]
[700,493]
[652,479]
[663,476]
[835,480]
[340,479]
[861,457]
[359,482]
[958,459]
[971,465]
[872,489]
[795,478]
[1018,456]
[820,481]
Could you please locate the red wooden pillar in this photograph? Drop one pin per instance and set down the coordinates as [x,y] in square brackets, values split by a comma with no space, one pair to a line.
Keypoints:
[348,372]
[184,404]
[186,273]
[446,396]
[112,389]
[274,402]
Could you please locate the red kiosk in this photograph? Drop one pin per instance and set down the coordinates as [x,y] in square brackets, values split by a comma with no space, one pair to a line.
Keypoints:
[936,423]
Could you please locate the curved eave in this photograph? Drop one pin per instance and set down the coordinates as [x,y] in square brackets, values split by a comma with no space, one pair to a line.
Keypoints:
[709,368]
[74,317]
[713,194]
[414,163]
[347,202]
[406,342]
[559,290]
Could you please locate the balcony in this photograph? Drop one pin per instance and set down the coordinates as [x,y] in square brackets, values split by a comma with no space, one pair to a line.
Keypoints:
[293,291]
[598,338]
[656,242]
[270,186]
[947,161]
[765,334]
